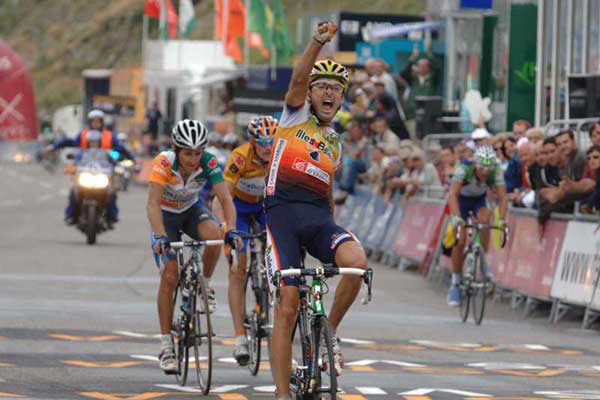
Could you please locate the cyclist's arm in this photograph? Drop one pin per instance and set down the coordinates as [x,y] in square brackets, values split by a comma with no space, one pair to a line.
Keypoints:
[155,195]
[222,192]
[122,149]
[453,198]
[502,200]
[217,208]
[66,142]
[296,95]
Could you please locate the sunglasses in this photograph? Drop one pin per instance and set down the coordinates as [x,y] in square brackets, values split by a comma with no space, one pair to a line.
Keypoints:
[265,142]
[335,87]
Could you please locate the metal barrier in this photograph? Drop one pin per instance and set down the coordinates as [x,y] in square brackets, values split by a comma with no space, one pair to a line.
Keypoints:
[579,127]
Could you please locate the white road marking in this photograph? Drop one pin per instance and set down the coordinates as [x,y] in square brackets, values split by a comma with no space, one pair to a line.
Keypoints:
[572,394]
[227,388]
[188,389]
[504,365]
[264,389]
[423,392]
[144,357]
[355,341]
[361,362]
[536,347]
[370,390]
[228,360]
[137,335]
[403,364]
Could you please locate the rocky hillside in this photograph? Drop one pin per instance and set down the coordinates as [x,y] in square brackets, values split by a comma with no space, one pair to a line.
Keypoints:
[60,38]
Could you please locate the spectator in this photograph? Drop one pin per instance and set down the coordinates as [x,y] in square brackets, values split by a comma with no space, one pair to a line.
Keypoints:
[550,174]
[448,158]
[423,175]
[355,157]
[480,137]
[376,69]
[463,151]
[594,133]
[433,156]
[509,147]
[396,168]
[522,187]
[386,107]
[512,175]
[593,158]
[572,162]
[535,136]
[498,145]
[385,137]
[520,128]
[375,172]
[421,74]
[153,123]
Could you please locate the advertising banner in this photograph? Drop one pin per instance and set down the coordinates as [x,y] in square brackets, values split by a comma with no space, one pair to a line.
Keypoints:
[498,258]
[578,266]
[416,229]
[532,261]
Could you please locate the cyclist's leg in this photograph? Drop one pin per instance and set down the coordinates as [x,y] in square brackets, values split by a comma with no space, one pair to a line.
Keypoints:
[237,279]
[484,216]
[283,251]
[202,225]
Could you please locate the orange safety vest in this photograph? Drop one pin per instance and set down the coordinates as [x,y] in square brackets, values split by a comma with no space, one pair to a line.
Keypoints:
[105,141]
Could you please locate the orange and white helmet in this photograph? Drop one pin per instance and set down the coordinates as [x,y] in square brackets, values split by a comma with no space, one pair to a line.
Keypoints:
[262,128]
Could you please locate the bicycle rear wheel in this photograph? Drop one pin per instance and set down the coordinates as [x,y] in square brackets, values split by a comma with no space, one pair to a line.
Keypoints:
[479,290]
[324,374]
[202,334]
[252,320]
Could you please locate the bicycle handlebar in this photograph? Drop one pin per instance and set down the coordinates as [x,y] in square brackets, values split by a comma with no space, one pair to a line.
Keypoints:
[193,243]
[481,227]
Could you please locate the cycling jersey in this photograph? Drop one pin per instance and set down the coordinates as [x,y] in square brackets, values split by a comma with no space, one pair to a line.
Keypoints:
[471,185]
[304,159]
[179,195]
[246,173]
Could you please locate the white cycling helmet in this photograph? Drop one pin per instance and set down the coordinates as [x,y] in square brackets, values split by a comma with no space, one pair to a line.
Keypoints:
[485,156]
[96,114]
[189,134]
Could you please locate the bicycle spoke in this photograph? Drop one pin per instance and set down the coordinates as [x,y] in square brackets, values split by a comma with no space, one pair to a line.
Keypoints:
[202,342]
[479,290]
[252,322]
[324,361]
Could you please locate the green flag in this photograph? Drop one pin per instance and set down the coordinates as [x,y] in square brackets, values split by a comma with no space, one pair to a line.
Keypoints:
[281,34]
[187,17]
[259,29]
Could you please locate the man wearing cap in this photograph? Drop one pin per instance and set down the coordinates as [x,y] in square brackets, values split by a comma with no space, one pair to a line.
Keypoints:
[480,137]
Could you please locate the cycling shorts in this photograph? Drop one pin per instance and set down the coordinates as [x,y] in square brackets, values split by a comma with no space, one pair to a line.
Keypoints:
[291,226]
[244,211]
[471,204]
[186,222]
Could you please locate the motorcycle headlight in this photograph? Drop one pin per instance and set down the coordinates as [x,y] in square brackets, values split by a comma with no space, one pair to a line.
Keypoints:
[127,163]
[95,181]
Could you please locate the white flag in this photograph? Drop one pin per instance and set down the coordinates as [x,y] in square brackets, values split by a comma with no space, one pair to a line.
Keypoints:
[187,17]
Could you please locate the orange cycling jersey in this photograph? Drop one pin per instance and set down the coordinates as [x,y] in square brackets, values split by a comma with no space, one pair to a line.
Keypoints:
[304,159]
[246,173]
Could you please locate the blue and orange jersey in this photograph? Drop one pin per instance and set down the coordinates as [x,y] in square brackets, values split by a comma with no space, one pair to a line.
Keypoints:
[304,159]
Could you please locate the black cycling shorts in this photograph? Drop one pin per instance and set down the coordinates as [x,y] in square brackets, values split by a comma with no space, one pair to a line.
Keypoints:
[291,226]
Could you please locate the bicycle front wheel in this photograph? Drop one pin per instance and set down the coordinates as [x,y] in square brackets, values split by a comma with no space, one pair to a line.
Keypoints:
[252,321]
[202,335]
[180,338]
[479,290]
[325,377]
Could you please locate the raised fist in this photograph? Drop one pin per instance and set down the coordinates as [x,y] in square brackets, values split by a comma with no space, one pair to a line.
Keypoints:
[325,31]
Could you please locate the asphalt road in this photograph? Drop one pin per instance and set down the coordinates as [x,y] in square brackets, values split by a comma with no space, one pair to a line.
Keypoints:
[79,321]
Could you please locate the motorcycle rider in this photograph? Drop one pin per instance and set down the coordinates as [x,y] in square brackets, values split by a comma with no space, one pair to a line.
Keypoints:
[95,136]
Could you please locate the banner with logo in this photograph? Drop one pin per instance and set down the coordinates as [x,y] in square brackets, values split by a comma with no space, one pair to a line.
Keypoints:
[415,231]
[532,261]
[579,263]
[498,258]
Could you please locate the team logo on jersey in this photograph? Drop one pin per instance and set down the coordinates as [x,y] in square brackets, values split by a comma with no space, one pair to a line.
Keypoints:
[164,162]
[311,169]
[312,143]
[233,168]
[315,156]
[239,160]
[212,163]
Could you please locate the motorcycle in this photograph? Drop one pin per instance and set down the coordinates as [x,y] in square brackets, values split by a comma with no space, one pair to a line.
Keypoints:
[92,190]
[123,171]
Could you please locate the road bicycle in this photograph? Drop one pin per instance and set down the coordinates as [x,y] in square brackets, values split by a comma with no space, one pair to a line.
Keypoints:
[192,327]
[308,380]
[475,284]
[258,307]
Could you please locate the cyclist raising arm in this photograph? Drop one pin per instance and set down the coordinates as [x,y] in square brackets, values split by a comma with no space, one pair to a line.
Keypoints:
[468,191]
[176,179]
[299,208]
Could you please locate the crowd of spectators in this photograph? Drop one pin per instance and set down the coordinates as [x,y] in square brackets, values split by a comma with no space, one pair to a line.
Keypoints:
[545,173]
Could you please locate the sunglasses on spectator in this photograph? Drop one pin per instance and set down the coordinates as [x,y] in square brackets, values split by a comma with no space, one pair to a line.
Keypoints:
[265,142]
[335,87]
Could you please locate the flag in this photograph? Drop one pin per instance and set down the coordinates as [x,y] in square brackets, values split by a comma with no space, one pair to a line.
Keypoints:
[281,34]
[235,29]
[152,9]
[259,28]
[168,20]
[187,17]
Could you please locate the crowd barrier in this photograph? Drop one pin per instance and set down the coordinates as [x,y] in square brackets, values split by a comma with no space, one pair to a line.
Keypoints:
[563,267]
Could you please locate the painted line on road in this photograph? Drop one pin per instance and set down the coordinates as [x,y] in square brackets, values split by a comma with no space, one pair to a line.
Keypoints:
[73,338]
[98,364]
[138,335]
[128,396]
[355,341]
[13,395]
[370,390]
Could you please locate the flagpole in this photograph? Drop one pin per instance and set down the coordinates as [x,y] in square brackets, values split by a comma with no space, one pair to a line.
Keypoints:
[225,23]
